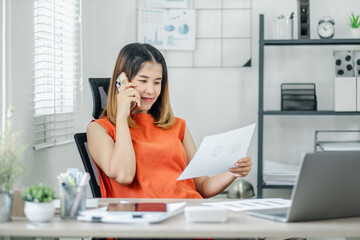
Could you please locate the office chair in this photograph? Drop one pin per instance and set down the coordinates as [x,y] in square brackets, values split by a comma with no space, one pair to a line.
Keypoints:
[99,89]
[81,143]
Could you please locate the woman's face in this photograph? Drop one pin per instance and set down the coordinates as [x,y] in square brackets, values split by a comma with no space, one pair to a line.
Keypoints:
[148,84]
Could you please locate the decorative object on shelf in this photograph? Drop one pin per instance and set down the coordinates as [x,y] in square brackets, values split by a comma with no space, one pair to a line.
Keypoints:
[326,28]
[354,23]
[240,189]
[356,59]
[304,19]
[298,96]
[39,206]
[285,26]
[344,82]
[12,167]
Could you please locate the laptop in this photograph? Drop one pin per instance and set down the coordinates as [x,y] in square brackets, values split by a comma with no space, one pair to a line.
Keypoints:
[328,186]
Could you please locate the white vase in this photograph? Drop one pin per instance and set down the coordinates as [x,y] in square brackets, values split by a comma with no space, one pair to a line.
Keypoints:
[355,33]
[39,212]
[6,200]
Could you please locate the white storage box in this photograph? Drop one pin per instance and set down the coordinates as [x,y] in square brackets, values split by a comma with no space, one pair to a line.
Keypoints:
[345,88]
[205,214]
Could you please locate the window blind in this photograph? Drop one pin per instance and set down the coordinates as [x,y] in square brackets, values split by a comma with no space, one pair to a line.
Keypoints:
[57,70]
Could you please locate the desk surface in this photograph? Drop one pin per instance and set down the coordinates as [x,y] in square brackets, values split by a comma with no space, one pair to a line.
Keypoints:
[239,225]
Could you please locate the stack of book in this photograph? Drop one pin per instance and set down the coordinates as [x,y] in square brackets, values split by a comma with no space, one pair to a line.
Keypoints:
[276,173]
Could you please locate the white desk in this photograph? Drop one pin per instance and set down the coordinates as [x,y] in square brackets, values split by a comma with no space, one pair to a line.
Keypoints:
[240,225]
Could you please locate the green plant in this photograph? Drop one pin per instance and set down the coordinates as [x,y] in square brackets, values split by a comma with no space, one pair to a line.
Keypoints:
[354,21]
[11,164]
[38,193]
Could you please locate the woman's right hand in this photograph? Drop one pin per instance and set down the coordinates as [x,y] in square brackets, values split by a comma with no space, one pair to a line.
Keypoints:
[127,95]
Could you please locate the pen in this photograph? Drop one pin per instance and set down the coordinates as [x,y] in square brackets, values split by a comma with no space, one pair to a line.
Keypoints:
[291,15]
[84,180]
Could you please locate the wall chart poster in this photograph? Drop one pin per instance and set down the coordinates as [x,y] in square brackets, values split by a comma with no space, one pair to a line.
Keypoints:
[167,29]
[166,3]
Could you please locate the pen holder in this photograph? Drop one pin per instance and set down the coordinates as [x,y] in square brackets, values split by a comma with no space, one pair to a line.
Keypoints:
[72,200]
[285,28]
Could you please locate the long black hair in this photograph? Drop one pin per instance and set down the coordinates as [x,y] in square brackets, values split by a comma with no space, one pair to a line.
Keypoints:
[130,60]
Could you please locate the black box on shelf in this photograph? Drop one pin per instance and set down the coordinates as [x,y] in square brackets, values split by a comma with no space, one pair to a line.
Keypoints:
[303,19]
[298,97]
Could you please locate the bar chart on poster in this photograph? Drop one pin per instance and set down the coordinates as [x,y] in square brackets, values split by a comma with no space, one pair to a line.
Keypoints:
[198,33]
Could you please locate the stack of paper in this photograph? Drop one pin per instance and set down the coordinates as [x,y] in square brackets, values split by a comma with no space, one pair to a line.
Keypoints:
[339,146]
[252,204]
[278,178]
[276,173]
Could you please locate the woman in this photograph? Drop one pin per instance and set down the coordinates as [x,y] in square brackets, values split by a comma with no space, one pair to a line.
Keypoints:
[140,153]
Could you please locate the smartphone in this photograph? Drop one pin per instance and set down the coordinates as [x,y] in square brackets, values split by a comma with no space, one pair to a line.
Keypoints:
[120,82]
[137,207]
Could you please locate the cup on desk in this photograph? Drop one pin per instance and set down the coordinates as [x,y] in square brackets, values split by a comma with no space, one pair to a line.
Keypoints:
[285,28]
[72,200]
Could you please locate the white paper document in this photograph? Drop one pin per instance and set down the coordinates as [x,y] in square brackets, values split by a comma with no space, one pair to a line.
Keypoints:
[252,204]
[218,153]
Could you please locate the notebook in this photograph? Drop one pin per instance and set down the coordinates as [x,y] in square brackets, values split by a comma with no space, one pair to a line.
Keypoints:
[328,186]
[132,212]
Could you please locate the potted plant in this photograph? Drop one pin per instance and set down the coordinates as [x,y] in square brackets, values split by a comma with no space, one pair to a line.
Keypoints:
[354,23]
[39,206]
[11,166]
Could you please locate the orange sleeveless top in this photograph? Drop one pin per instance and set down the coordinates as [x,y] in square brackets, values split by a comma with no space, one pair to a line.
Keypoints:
[160,159]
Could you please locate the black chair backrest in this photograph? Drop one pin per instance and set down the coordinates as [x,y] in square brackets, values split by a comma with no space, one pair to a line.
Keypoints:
[99,89]
[81,143]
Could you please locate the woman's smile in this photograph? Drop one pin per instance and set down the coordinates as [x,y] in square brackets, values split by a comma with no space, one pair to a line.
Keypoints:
[147,99]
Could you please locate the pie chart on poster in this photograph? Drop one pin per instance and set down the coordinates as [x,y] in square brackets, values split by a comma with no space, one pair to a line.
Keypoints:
[183,29]
[169,28]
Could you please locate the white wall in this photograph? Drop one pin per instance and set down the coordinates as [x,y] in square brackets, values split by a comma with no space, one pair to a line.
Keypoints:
[208,105]
[42,165]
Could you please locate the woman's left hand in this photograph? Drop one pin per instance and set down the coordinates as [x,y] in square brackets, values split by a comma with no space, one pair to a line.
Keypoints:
[242,167]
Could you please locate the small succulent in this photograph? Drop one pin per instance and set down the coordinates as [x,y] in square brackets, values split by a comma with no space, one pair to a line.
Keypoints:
[354,21]
[38,193]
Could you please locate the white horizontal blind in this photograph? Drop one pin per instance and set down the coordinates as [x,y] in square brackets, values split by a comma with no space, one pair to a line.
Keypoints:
[57,70]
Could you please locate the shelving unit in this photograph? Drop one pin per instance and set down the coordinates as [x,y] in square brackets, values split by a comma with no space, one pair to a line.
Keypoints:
[262,113]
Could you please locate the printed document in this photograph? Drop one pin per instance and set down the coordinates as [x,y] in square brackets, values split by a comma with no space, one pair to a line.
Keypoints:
[218,153]
[252,204]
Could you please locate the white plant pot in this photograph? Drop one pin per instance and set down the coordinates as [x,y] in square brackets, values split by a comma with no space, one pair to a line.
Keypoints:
[39,212]
[355,33]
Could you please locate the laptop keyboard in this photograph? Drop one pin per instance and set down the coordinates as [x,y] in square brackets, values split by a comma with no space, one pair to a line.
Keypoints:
[282,215]
[278,212]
